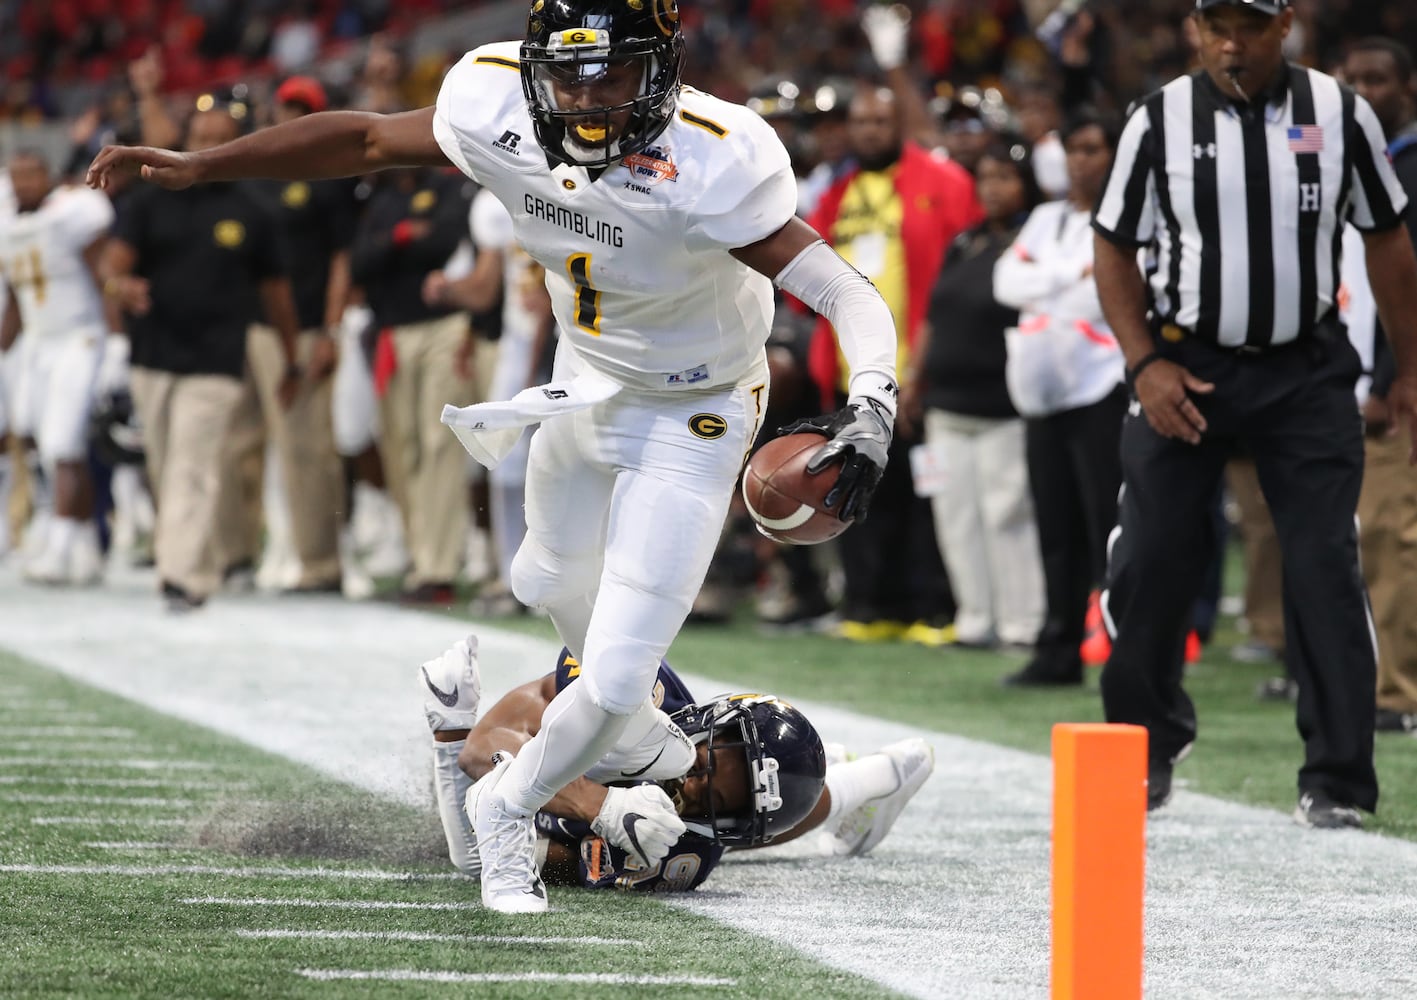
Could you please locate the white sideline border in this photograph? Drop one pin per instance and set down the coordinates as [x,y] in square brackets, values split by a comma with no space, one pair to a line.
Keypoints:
[570,978]
[299,934]
[1241,903]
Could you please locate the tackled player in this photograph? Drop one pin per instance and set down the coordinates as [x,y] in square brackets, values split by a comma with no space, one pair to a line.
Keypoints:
[742,771]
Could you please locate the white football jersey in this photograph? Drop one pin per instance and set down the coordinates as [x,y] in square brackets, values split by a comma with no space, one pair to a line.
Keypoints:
[42,253]
[642,286]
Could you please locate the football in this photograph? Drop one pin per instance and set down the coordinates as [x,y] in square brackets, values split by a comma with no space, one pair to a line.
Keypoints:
[784,499]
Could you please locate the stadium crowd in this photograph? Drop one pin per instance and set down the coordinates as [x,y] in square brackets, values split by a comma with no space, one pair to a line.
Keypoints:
[295,445]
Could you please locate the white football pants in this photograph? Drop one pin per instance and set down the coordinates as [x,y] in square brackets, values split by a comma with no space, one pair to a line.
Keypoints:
[56,393]
[625,503]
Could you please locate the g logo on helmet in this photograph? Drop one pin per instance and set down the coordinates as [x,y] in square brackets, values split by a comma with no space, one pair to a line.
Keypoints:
[709,426]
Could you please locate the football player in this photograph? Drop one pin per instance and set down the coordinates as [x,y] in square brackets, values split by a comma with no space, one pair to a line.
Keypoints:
[741,771]
[49,251]
[662,216]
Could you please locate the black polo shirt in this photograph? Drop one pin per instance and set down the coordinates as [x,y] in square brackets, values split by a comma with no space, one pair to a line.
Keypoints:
[391,266]
[317,219]
[204,252]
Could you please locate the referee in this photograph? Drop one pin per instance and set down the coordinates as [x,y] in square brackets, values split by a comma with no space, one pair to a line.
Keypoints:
[1238,180]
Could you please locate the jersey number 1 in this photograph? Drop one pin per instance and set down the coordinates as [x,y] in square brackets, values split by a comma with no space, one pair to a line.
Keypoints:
[587,297]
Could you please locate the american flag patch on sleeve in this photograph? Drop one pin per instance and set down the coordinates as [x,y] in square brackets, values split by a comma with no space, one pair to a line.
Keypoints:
[1306,139]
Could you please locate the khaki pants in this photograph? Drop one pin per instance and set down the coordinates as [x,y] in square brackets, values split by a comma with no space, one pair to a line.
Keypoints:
[304,439]
[1387,514]
[423,462]
[185,423]
[1264,582]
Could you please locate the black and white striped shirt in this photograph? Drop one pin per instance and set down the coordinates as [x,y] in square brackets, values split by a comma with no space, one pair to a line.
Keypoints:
[1245,213]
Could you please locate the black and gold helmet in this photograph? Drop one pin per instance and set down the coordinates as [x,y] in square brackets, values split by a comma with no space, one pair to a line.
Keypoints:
[574,43]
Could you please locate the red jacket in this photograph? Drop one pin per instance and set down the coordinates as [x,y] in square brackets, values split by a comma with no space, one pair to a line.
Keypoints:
[938,204]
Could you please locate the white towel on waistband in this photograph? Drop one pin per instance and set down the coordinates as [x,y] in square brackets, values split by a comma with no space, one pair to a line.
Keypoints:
[489,430]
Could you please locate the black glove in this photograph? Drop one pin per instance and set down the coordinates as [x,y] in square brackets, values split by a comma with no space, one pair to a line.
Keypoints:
[860,436]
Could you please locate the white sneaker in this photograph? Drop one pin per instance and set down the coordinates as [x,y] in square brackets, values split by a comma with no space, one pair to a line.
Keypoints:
[85,558]
[507,846]
[863,829]
[452,687]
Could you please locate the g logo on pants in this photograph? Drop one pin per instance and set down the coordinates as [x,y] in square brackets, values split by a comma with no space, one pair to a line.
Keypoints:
[708,426]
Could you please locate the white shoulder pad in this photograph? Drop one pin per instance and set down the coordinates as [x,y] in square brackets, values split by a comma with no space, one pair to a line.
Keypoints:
[82,214]
[491,222]
[748,190]
[478,93]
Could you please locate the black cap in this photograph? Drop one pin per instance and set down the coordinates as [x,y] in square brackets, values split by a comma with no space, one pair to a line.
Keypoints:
[1268,7]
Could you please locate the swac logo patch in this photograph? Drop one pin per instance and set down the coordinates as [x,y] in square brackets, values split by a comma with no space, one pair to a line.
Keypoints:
[422,201]
[708,426]
[229,233]
[296,194]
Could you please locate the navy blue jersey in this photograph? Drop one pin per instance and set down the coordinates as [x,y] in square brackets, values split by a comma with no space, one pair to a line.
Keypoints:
[670,694]
[603,865]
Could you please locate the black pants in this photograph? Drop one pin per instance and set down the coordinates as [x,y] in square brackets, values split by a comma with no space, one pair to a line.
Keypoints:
[1293,410]
[1074,472]
[891,564]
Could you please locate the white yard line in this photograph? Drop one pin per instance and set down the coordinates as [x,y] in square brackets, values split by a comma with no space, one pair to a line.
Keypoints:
[1241,903]
[66,732]
[576,978]
[134,845]
[315,935]
[185,786]
[104,821]
[132,764]
[97,800]
[327,904]
[148,871]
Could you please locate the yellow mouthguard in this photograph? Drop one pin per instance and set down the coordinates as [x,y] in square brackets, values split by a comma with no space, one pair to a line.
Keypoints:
[590,133]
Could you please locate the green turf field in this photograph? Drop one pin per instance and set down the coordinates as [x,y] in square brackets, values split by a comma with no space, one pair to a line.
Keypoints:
[145,857]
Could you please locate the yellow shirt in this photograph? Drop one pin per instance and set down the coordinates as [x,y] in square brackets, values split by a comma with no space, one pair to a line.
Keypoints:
[867,234]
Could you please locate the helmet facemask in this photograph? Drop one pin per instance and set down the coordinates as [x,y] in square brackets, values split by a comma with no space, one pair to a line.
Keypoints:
[576,58]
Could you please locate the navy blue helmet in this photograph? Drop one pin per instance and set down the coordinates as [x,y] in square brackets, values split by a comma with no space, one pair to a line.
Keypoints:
[787,766]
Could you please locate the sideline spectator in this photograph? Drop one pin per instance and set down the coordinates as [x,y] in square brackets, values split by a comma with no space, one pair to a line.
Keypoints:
[1065,376]
[984,520]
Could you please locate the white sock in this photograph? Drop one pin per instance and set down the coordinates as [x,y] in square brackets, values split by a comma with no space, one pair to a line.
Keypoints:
[855,782]
[575,733]
[451,785]
[62,533]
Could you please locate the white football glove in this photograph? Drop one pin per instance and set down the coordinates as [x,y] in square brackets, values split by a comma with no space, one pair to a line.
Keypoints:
[112,373]
[641,821]
[452,687]
[887,29]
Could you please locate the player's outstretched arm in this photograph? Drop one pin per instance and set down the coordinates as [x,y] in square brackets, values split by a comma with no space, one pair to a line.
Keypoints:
[314,147]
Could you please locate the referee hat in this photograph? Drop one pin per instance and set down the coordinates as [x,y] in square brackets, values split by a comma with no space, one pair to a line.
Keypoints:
[1269,7]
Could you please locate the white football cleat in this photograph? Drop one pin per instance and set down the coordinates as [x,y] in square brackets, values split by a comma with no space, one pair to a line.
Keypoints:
[452,687]
[506,845]
[864,828]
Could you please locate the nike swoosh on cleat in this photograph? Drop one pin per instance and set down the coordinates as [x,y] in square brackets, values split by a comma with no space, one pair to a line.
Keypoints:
[629,824]
[449,700]
[636,774]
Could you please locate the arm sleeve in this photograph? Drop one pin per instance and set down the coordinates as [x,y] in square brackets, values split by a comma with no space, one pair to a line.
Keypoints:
[1126,213]
[862,320]
[1378,200]
[1027,274]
